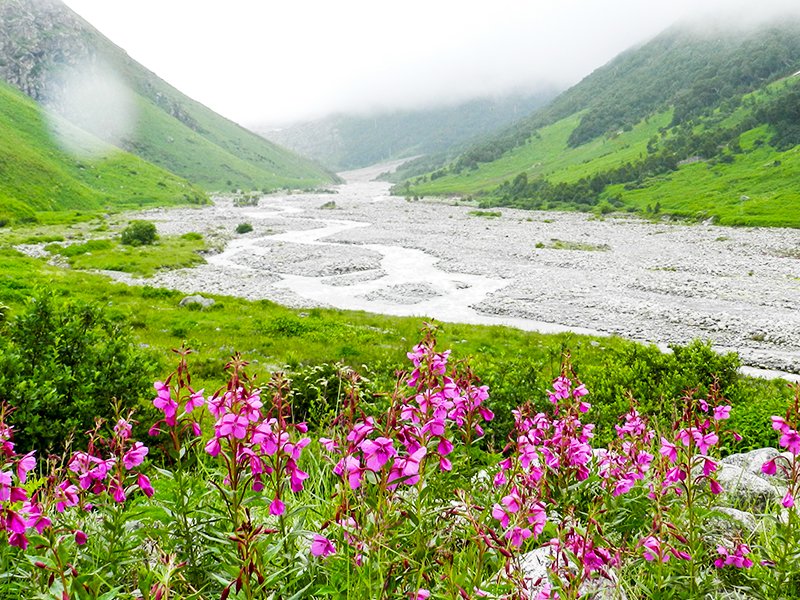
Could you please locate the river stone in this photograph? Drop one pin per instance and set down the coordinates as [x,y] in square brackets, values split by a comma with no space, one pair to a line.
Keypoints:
[746,489]
[727,526]
[751,461]
[197,299]
[534,564]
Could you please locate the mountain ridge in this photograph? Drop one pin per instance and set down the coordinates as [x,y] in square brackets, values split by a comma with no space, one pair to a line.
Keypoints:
[631,126]
[40,40]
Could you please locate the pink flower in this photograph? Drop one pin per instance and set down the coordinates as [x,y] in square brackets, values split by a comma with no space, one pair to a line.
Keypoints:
[512,502]
[213,447]
[322,546]
[736,559]
[144,484]
[669,450]
[704,442]
[518,535]
[769,467]
[788,500]
[117,492]
[163,401]
[26,464]
[135,456]
[5,486]
[329,444]
[277,507]
[651,549]
[722,412]
[791,441]
[122,429]
[80,537]
[716,488]
[500,514]
[195,401]
[422,594]
[377,453]
[232,425]
[779,424]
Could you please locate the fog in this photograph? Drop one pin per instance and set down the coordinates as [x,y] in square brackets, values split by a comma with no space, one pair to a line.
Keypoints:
[94,98]
[278,62]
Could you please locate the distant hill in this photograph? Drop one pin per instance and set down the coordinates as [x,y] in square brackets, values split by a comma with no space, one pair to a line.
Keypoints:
[693,123]
[346,141]
[38,175]
[42,42]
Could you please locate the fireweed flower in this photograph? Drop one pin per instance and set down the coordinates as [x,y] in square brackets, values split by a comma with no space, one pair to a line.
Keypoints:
[322,546]
[737,558]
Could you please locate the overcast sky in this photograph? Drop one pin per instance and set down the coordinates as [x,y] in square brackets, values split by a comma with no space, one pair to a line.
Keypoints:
[277,61]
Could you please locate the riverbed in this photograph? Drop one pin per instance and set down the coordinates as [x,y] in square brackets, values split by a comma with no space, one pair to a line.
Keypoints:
[361,248]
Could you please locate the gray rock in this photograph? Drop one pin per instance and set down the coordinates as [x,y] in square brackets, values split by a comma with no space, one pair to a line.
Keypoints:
[197,299]
[751,461]
[727,526]
[748,490]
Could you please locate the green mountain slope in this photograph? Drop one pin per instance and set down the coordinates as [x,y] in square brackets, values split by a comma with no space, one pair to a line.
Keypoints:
[40,40]
[37,175]
[689,124]
[351,141]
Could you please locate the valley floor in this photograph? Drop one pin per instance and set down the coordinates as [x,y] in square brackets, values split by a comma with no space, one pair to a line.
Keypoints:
[658,282]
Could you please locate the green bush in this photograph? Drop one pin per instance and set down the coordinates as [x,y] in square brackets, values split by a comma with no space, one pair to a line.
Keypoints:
[139,233]
[62,364]
[244,228]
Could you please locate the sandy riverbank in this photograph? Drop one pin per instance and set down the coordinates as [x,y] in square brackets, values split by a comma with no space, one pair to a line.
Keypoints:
[660,282]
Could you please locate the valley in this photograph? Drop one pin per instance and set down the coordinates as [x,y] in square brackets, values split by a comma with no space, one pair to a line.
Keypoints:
[662,282]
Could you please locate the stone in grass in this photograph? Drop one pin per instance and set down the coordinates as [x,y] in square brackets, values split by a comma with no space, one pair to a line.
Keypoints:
[727,525]
[534,567]
[751,461]
[197,300]
[748,490]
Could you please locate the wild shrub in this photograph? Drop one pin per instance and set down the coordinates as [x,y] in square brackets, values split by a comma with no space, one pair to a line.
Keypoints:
[61,364]
[139,233]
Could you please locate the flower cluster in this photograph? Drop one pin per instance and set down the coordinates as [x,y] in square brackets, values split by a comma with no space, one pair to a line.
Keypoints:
[627,461]
[18,512]
[789,467]
[446,405]
[736,558]
[547,451]
[107,465]
[179,403]
[255,441]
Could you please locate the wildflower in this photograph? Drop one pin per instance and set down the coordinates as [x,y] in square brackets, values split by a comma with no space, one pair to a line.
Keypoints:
[135,456]
[377,452]
[652,549]
[769,467]
[791,441]
[736,559]
[195,401]
[144,484]
[80,537]
[722,412]
[277,507]
[322,546]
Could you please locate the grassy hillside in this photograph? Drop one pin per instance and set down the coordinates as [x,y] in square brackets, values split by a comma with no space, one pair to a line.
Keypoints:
[37,175]
[172,130]
[668,148]
[351,141]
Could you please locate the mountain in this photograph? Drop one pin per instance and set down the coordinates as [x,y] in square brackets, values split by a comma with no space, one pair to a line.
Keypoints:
[59,60]
[346,141]
[36,174]
[695,123]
